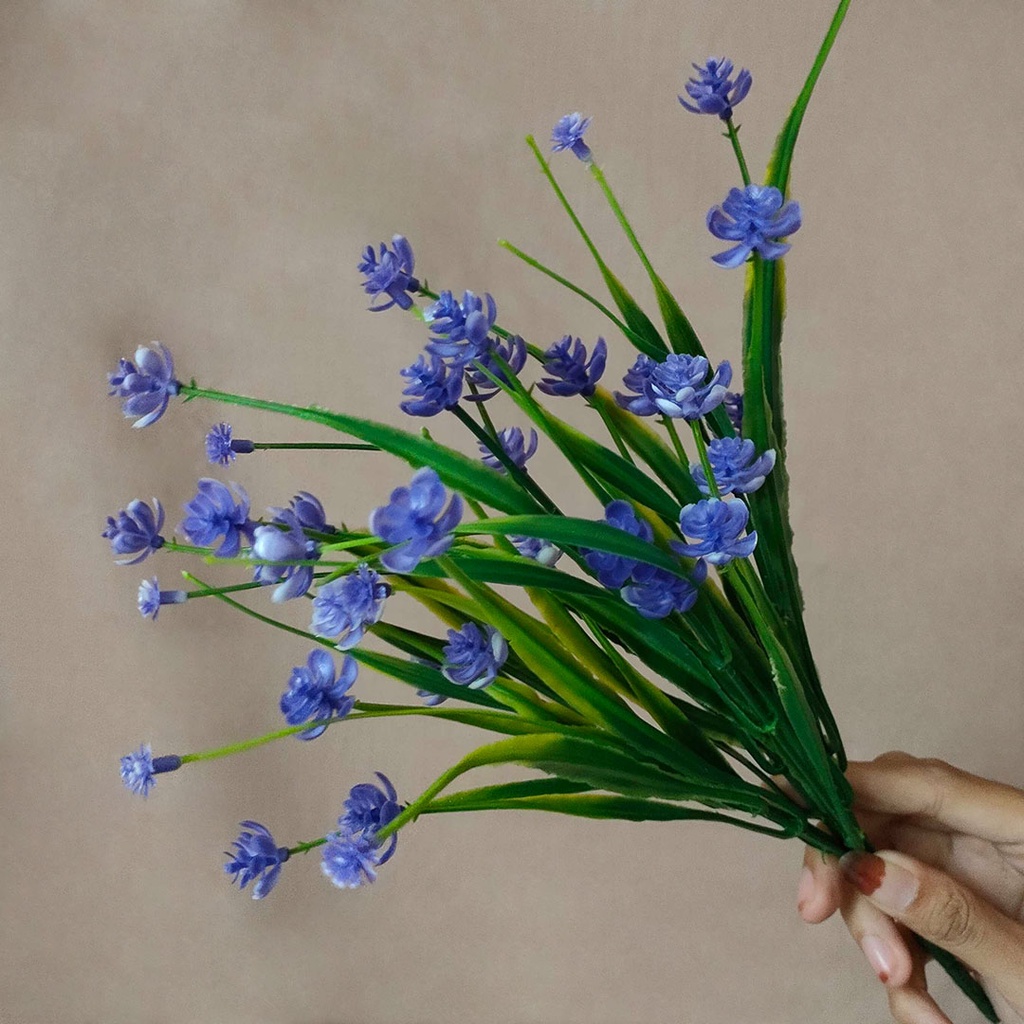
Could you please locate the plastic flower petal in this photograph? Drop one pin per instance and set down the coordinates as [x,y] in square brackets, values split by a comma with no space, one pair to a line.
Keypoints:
[514,444]
[315,694]
[433,386]
[473,656]
[345,607]
[461,326]
[569,370]
[222,449]
[736,465]
[256,858]
[512,351]
[214,513]
[755,218]
[713,90]
[655,592]
[147,385]
[306,510]
[717,525]
[389,273]
[151,597]
[348,861]
[568,134]
[734,409]
[542,551]
[613,570]
[636,380]
[138,769]
[135,530]
[416,521]
[678,389]
[271,544]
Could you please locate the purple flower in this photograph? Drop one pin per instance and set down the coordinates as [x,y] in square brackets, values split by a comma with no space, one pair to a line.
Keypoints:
[717,525]
[390,273]
[636,380]
[512,351]
[314,694]
[151,597]
[613,570]
[138,769]
[473,657]
[655,592]
[307,511]
[712,90]
[346,606]
[353,853]
[676,386]
[273,545]
[415,519]
[349,861]
[570,371]
[433,386]
[461,327]
[568,134]
[146,385]
[734,409]
[736,465]
[368,808]
[514,445]
[135,531]
[542,551]
[755,218]
[256,857]
[214,513]
[221,449]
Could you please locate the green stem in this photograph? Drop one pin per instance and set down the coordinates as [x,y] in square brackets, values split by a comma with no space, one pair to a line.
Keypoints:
[732,133]
[670,426]
[612,430]
[301,446]
[620,216]
[596,303]
[702,451]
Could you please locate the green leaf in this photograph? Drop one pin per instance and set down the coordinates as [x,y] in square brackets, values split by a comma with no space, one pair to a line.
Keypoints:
[423,677]
[567,531]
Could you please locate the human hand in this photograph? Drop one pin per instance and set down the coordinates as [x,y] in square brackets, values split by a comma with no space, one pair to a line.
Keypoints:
[950,868]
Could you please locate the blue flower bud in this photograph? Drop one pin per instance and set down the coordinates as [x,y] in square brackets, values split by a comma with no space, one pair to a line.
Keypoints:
[138,769]
[514,445]
[147,385]
[712,90]
[717,525]
[570,371]
[256,858]
[135,531]
[755,218]
[568,134]
[390,273]
[315,694]
[473,657]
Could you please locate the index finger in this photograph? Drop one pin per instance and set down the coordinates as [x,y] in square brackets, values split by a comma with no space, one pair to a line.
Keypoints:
[939,794]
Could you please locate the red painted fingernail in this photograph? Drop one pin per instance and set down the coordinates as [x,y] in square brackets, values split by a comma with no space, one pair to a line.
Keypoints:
[865,870]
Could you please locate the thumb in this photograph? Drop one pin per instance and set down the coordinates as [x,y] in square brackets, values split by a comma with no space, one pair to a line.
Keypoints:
[945,912]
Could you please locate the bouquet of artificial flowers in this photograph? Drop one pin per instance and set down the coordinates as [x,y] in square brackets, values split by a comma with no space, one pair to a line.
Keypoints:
[648,663]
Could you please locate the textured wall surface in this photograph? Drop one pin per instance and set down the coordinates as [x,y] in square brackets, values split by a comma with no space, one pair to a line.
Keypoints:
[206,174]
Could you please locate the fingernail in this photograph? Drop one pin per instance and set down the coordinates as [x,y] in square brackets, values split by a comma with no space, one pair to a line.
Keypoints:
[880,955]
[805,890]
[890,886]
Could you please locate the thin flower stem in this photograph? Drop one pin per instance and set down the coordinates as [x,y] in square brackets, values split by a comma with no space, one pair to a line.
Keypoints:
[670,426]
[306,847]
[596,303]
[315,446]
[612,430]
[255,741]
[620,216]
[494,447]
[214,591]
[702,451]
[733,135]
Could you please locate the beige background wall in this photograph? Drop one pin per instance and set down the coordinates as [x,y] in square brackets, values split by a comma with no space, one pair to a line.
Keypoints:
[206,174]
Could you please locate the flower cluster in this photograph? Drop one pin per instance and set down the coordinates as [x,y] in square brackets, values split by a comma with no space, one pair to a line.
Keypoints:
[717,525]
[214,512]
[135,530]
[416,522]
[346,607]
[316,693]
[736,466]
[677,387]
[389,274]
[256,858]
[569,370]
[653,591]
[713,90]
[353,853]
[568,134]
[515,446]
[755,218]
[147,385]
